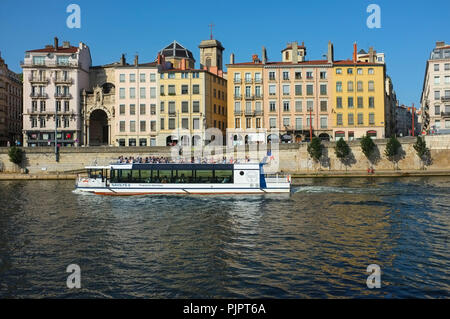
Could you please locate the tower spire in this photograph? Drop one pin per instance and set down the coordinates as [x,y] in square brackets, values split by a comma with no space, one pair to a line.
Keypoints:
[211,26]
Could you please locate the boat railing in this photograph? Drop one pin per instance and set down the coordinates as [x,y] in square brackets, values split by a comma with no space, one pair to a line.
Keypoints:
[278,178]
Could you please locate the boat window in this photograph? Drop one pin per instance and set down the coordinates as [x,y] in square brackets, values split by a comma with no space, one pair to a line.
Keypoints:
[224,177]
[95,173]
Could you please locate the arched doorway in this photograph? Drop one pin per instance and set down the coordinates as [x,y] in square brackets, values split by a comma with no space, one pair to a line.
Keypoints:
[98,128]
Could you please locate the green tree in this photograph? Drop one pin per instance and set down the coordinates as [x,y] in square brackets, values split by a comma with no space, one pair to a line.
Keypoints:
[342,151]
[392,151]
[15,155]
[423,152]
[368,147]
[315,149]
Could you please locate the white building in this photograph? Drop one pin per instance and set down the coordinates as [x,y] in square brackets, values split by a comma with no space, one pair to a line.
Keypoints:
[436,91]
[53,79]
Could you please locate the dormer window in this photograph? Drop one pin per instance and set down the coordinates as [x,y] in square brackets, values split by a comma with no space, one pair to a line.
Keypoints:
[287,55]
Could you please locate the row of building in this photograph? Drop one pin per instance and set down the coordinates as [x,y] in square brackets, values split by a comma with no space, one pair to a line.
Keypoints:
[170,100]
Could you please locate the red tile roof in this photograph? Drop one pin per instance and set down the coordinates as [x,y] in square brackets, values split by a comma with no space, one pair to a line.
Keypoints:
[60,50]
[313,62]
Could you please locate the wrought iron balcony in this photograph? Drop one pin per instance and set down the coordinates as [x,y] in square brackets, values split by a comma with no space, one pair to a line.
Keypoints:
[238,96]
[445,99]
[249,97]
[249,113]
[259,112]
[38,79]
[61,80]
[63,95]
[248,81]
[445,114]
[38,95]
[238,112]
[237,81]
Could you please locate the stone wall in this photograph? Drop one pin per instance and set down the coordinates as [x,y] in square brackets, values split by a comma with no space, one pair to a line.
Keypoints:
[294,158]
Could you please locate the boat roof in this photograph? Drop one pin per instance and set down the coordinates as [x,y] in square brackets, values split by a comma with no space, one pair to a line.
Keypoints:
[178,166]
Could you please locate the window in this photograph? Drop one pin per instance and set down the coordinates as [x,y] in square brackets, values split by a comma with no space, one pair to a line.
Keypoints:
[171,90]
[122,78]
[272,106]
[196,89]
[161,108]
[272,90]
[132,109]
[248,77]
[447,80]
[152,77]
[437,80]
[323,122]
[248,123]
[184,107]
[42,122]
[122,126]
[298,75]
[152,109]
[132,93]
[310,105]
[298,123]
[66,122]
[273,122]
[285,76]
[285,106]
[286,89]
[258,123]
[360,119]
[349,71]
[132,142]
[323,75]
[142,93]
[338,86]
[162,124]
[436,67]
[371,118]
[122,109]
[237,123]
[437,95]
[172,108]
[360,102]
[258,77]
[185,89]
[360,86]
[350,102]
[371,102]
[58,122]
[161,90]
[143,126]
[309,75]
[142,109]
[39,60]
[437,110]
[142,142]
[33,122]
[350,86]
[171,124]
[237,78]
[196,107]
[185,123]
[310,122]
[196,75]
[437,123]
[132,78]
[298,106]
[309,89]
[371,71]
[323,106]
[153,93]
[286,121]
[323,89]
[258,91]
[142,77]
[359,71]
[339,102]
[237,91]
[272,76]
[248,91]
[153,126]
[171,75]
[121,93]
[351,120]
[447,66]
[338,71]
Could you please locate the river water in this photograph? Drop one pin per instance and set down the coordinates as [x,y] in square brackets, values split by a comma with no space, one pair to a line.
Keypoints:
[315,243]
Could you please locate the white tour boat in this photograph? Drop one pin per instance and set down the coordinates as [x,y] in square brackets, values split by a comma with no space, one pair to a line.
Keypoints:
[146,179]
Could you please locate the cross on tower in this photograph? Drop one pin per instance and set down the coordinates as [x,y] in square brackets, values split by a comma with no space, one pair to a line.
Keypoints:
[211,26]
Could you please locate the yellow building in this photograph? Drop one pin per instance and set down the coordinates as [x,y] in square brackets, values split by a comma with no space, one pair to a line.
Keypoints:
[358,95]
[191,100]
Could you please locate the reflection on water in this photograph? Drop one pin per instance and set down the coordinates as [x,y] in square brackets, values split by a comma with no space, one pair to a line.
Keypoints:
[317,242]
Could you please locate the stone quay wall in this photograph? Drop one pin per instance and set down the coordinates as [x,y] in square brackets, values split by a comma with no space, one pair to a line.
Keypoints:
[293,158]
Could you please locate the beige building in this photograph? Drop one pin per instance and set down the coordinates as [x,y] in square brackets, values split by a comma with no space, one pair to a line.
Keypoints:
[10,106]
[435,98]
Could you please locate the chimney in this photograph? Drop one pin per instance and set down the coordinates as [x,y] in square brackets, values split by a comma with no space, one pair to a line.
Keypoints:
[371,55]
[56,43]
[264,55]
[123,60]
[330,54]
[158,59]
[136,60]
[294,52]
[355,52]
[232,58]
[255,58]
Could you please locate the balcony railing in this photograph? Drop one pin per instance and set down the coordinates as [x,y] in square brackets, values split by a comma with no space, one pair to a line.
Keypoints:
[63,95]
[249,97]
[61,80]
[38,95]
[237,81]
[445,114]
[445,99]
[258,96]
[36,79]
[50,112]
[248,81]
[249,113]
[258,81]
[259,112]
[238,96]
[237,112]
[51,64]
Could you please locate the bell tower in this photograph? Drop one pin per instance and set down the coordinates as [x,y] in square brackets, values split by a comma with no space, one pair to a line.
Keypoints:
[211,53]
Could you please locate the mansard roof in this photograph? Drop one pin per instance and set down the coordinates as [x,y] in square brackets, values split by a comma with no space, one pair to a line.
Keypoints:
[176,50]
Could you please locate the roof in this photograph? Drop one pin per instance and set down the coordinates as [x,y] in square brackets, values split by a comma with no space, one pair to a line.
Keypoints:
[312,62]
[211,44]
[351,62]
[362,51]
[289,46]
[49,49]
[176,50]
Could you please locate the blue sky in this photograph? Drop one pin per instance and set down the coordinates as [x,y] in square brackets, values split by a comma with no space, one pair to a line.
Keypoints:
[408,33]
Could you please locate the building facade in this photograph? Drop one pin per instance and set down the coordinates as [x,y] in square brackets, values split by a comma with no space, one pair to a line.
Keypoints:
[11,91]
[360,107]
[280,96]
[435,100]
[53,80]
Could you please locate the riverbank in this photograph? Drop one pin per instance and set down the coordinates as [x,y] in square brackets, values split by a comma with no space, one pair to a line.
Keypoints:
[296,177]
